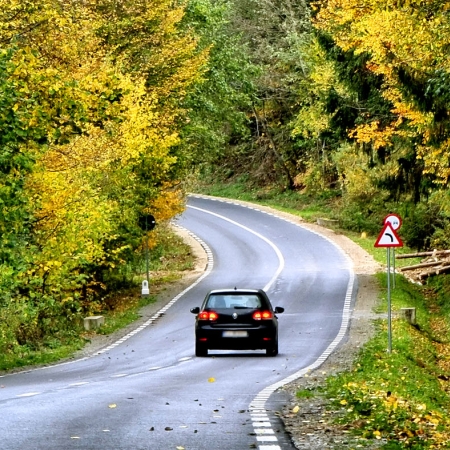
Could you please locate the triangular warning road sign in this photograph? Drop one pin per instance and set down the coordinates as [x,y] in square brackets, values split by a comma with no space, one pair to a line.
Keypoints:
[388,237]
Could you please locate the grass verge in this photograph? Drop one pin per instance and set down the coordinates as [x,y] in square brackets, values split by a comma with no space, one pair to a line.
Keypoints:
[400,398]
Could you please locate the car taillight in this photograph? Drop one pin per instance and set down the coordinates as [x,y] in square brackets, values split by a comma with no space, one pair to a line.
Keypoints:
[208,315]
[262,315]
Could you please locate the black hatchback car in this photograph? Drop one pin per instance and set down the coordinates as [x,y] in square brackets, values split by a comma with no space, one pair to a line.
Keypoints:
[236,319]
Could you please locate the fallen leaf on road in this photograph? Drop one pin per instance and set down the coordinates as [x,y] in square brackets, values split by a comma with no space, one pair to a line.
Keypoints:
[296,409]
[112,405]
[211,380]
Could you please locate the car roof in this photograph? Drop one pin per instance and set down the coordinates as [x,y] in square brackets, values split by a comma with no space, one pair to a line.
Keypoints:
[236,291]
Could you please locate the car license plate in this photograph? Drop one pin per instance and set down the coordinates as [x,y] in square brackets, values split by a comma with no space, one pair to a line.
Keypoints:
[235,334]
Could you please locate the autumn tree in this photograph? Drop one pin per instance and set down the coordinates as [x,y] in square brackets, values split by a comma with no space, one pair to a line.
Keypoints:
[405,44]
[90,118]
[398,136]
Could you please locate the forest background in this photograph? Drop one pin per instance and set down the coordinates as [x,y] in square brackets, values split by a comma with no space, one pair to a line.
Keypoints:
[112,110]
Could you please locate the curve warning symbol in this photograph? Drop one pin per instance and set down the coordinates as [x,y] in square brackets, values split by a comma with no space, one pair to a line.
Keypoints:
[388,237]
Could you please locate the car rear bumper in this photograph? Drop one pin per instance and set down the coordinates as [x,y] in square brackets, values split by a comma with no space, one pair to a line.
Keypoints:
[259,338]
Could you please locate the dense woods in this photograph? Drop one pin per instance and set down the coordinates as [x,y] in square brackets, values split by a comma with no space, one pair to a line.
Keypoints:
[108,106]
[350,101]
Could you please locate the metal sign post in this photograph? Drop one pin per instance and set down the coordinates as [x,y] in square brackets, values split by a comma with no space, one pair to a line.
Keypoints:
[393,268]
[147,222]
[147,252]
[388,238]
[388,257]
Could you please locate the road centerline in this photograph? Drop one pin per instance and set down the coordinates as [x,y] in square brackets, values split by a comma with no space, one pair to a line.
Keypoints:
[258,235]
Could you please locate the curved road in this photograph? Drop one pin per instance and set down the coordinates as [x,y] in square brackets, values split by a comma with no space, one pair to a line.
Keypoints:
[149,391]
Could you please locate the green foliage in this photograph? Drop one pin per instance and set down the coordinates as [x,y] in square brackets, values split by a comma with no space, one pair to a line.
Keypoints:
[440,286]
[421,222]
[45,330]
[218,107]
[249,97]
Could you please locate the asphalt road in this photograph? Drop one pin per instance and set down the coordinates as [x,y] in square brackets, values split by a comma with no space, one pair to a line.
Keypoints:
[149,391]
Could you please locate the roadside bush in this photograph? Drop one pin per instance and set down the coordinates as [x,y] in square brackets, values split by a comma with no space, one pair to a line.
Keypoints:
[422,225]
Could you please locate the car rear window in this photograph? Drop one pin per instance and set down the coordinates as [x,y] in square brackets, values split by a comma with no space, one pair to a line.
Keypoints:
[234,301]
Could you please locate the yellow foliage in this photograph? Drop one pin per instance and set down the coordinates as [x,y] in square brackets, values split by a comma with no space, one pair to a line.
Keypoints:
[313,119]
[357,181]
[103,109]
[168,204]
[396,36]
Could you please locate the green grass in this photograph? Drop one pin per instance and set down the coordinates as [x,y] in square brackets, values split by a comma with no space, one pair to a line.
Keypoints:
[25,356]
[305,393]
[398,396]
[125,313]
[307,206]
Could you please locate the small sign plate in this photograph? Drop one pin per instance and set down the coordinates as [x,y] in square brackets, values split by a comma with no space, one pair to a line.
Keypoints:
[395,220]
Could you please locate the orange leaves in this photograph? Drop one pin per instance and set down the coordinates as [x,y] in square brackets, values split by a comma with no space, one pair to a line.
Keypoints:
[385,414]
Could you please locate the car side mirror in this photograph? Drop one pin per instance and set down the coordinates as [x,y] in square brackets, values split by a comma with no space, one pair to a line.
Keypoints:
[195,310]
[279,310]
